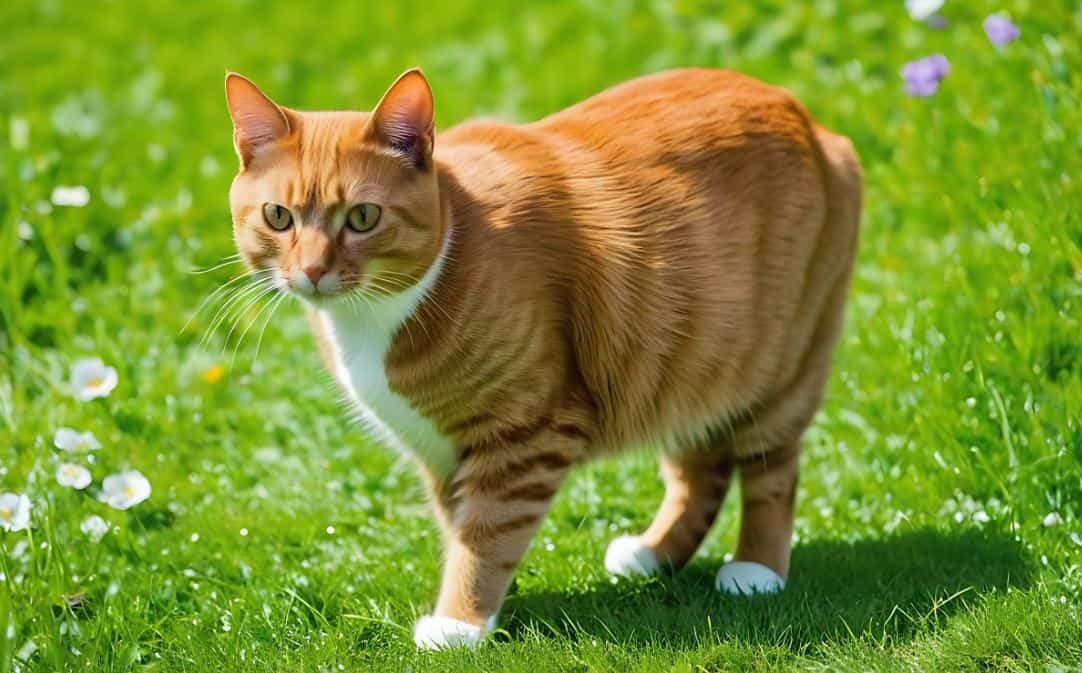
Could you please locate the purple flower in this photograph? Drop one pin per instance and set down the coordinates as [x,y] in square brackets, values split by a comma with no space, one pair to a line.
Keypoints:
[922,77]
[1000,30]
[936,21]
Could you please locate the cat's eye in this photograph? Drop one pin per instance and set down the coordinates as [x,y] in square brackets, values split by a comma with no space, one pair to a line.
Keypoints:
[363,218]
[277,217]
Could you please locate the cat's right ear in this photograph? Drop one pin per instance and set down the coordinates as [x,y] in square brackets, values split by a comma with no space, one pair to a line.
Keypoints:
[257,120]
[403,118]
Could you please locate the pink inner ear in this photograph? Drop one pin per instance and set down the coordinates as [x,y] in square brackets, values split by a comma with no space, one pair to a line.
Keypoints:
[256,119]
[258,126]
[403,127]
[403,119]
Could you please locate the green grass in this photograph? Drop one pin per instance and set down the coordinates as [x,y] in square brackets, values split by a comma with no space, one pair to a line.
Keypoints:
[958,385]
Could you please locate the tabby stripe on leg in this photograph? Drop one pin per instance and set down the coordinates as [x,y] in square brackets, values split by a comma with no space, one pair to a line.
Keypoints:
[573,431]
[521,434]
[474,421]
[511,525]
[518,435]
[766,461]
[488,470]
[530,492]
[496,479]
[784,493]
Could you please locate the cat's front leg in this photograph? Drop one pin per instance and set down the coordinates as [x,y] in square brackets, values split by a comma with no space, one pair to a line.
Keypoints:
[489,511]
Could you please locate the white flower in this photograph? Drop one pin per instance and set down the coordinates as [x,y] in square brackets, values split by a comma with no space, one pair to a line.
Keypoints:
[981,517]
[922,9]
[14,512]
[73,441]
[73,476]
[90,378]
[76,196]
[95,527]
[124,489]
[27,650]
[20,133]
[1052,519]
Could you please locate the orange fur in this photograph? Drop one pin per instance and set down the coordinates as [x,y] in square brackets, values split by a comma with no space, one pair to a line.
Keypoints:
[665,263]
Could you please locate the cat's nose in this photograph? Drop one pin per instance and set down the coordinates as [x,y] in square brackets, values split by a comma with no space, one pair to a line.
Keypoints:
[314,273]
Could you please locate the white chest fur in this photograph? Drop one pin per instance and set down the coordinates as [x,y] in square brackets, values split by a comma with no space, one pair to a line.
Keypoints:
[359,337]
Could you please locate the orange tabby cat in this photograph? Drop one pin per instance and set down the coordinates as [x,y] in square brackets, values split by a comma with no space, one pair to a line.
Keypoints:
[664,264]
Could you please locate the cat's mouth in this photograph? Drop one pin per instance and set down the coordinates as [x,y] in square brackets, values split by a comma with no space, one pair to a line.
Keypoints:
[317,290]
[316,297]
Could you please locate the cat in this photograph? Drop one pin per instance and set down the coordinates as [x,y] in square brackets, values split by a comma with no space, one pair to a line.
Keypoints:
[663,264]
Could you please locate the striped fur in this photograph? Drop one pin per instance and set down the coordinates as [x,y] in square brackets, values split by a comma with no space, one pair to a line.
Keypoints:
[665,263]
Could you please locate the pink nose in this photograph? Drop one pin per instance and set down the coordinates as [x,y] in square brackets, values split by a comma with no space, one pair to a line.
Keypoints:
[314,273]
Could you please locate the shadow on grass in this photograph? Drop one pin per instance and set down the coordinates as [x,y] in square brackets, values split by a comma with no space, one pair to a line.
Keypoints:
[880,590]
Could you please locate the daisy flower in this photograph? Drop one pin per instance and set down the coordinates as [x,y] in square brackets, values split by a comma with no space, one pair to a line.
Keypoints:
[124,489]
[90,378]
[14,512]
[74,441]
[94,527]
[73,476]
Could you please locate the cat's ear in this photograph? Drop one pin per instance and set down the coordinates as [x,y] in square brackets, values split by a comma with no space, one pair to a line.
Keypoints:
[403,118]
[257,121]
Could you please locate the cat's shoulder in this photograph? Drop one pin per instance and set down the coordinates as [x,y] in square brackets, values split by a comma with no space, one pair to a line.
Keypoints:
[480,131]
[487,151]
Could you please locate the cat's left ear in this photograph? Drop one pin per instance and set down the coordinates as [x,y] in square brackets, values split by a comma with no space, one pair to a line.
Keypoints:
[403,118]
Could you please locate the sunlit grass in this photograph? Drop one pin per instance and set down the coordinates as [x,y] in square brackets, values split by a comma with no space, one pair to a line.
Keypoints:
[940,516]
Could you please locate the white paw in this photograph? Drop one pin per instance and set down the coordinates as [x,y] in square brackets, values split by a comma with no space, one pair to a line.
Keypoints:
[747,577]
[628,556]
[439,633]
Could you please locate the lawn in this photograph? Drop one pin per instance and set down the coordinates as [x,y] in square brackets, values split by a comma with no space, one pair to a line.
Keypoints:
[940,511]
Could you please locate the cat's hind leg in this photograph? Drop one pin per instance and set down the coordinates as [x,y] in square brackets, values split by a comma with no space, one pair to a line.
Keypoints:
[767,492]
[695,487]
[768,447]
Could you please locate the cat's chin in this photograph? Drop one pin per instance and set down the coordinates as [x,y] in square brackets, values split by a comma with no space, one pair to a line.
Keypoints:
[322,300]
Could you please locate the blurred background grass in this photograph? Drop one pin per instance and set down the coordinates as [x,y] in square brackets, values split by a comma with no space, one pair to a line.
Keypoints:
[278,538]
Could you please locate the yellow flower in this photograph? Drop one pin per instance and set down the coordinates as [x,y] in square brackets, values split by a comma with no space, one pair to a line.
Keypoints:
[214,374]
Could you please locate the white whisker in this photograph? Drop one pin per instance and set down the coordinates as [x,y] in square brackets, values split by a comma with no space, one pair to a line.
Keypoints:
[231,259]
[235,299]
[259,342]
[248,327]
[219,291]
[239,314]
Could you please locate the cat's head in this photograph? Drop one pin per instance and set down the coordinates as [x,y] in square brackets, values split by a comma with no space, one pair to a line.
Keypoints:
[330,203]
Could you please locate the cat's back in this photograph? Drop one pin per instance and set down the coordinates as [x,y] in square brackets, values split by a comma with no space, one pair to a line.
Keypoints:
[699,226]
[687,90]
[688,107]
[669,134]
[689,110]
